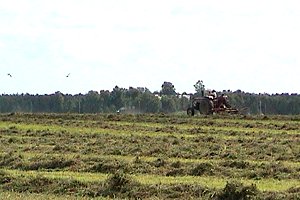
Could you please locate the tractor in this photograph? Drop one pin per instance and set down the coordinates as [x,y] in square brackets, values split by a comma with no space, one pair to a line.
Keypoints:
[206,106]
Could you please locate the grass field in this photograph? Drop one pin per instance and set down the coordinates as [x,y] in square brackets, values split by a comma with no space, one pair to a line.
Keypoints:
[46,156]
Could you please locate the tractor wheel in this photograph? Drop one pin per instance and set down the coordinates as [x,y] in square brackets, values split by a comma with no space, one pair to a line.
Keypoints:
[205,107]
[190,111]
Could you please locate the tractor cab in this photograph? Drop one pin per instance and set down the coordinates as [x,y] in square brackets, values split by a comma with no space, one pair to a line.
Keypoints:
[210,104]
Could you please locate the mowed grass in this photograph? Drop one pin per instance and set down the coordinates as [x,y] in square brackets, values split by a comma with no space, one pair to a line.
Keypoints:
[29,196]
[154,149]
[210,182]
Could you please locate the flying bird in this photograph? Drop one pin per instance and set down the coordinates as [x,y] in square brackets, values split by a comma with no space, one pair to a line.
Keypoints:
[68,75]
[9,75]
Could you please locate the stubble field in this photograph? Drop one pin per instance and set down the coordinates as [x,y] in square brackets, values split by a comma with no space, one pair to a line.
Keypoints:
[149,156]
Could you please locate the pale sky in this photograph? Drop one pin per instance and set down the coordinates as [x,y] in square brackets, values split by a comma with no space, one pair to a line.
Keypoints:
[249,45]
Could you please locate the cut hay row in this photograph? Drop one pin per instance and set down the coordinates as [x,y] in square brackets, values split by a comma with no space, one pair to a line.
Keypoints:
[130,158]
[210,182]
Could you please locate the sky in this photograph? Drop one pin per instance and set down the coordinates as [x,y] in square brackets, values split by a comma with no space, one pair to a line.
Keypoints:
[252,45]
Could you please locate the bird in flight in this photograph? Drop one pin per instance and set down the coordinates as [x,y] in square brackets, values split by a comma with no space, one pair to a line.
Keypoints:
[68,75]
[9,75]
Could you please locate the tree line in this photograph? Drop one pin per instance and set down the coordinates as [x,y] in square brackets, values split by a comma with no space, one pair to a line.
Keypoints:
[142,100]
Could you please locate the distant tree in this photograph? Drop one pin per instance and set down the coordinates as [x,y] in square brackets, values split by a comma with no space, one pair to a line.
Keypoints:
[164,101]
[69,104]
[149,103]
[168,104]
[167,88]
[183,102]
[118,97]
[132,96]
[105,101]
[58,98]
[200,88]
[91,103]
